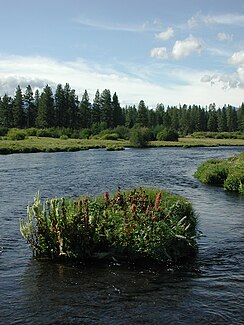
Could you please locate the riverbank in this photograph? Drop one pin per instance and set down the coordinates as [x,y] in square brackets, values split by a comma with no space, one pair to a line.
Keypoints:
[46,144]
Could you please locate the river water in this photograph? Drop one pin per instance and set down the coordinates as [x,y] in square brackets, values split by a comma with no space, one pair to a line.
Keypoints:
[209,291]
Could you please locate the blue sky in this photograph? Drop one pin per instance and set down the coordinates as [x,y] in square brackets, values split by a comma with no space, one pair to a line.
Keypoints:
[171,52]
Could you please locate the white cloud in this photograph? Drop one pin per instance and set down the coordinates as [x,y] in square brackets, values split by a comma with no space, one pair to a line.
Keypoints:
[186,47]
[193,22]
[229,81]
[169,33]
[222,37]
[237,58]
[184,87]
[159,52]
[8,84]
[227,19]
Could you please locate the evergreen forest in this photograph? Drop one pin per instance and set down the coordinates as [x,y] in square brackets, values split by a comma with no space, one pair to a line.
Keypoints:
[61,108]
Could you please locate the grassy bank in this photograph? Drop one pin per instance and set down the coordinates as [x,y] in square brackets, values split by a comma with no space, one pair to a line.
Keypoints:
[46,144]
[142,223]
[228,173]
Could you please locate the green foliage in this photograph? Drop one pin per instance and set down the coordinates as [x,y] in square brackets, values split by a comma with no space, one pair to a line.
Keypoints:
[16,134]
[84,133]
[138,223]
[219,135]
[63,109]
[139,137]
[64,137]
[168,135]
[122,131]
[110,136]
[31,132]
[227,173]
[3,131]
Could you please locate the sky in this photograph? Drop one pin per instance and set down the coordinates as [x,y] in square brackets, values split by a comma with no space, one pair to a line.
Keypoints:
[171,52]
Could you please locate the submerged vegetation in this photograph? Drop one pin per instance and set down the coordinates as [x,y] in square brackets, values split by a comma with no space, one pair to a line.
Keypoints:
[141,223]
[228,173]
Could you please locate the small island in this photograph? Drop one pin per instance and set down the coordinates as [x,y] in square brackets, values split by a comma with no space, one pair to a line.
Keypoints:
[130,225]
[228,173]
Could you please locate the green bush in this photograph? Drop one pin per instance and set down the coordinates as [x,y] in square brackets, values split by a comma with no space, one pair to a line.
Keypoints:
[43,133]
[228,173]
[31,132]
[168,135]
[122,131]
[138,223]
[212,172]
[64,137]
[16,134]
[139,137]
[110,136]
[219,135]
[84,133]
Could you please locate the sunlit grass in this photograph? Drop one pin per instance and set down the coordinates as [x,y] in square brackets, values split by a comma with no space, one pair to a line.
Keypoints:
[45,144]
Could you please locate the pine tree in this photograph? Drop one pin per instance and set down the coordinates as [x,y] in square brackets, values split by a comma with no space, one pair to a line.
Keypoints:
[142,114]
[59,106]
[117,111]
[73,112]
[30,108]
[66,108]
[174,115]
[45,114]
[212,119]
[240,117]
[152,118]
[183,120]
[106,108]
[222,119]
[130,116]
[6,114]
[18,109]
[167,119]
[160,114]
[96,109]
[85,111]
[231,119]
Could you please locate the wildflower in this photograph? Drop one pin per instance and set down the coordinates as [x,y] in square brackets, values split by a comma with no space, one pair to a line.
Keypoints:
[124,221]
[106,198]
[133,208]
[157,201]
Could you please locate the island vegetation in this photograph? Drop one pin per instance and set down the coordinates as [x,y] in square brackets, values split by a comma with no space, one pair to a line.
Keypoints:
[228,173]
[133,224]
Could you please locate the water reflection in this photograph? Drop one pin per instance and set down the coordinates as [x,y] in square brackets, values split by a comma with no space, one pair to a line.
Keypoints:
[114,294]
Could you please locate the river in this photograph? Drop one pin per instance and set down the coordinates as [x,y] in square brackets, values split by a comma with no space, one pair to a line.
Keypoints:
[209,291]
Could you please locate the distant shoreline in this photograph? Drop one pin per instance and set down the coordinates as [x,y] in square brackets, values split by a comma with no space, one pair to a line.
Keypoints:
[45,144]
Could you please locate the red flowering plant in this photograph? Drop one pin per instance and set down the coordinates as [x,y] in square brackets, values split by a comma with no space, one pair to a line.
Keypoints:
[138,223]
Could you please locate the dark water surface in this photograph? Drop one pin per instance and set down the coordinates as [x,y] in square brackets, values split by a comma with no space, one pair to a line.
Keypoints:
[210,291]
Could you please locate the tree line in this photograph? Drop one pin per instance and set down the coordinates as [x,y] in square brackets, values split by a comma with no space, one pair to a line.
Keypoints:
[63,109]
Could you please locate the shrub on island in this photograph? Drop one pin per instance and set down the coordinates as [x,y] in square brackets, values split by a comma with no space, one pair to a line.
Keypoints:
[142,223]
[228,173]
